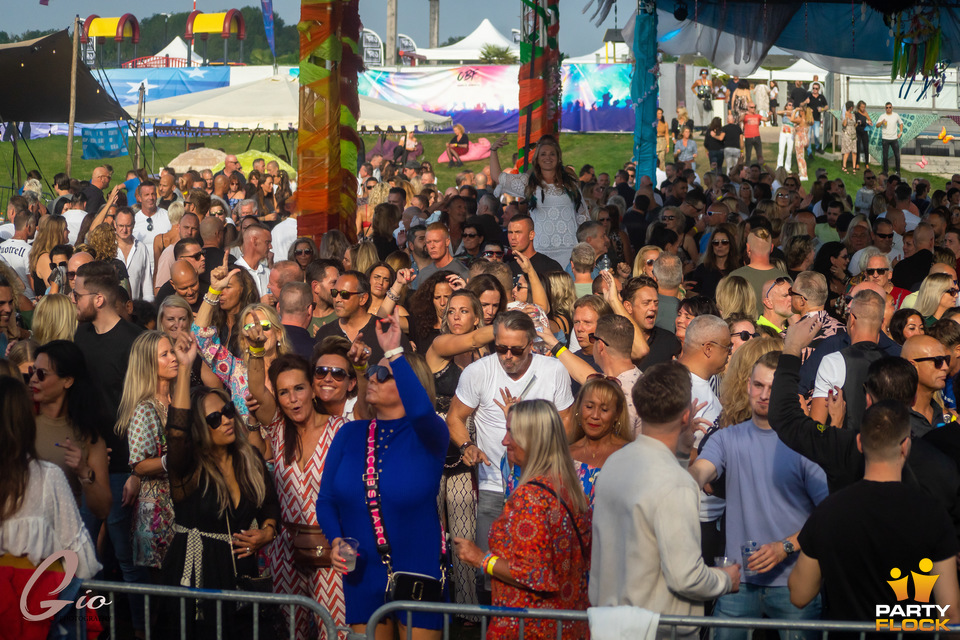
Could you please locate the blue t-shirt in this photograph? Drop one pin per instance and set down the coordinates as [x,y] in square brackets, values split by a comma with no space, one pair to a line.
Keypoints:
[771,490]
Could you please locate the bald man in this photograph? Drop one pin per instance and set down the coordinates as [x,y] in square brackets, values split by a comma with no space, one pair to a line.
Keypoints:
[185,282]
[283,272]
[99,181]
[79,259]
[929,356]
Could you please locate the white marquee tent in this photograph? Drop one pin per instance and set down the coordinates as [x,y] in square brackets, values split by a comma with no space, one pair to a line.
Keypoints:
[468,49]
[273,104]
[178,49]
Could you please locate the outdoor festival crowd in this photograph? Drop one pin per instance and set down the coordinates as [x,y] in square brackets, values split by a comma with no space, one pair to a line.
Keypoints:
[724,392]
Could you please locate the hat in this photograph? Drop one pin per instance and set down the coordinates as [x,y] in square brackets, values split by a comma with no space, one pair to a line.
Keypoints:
[411,164]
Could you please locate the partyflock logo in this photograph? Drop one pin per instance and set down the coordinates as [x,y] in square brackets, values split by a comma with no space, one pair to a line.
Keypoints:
[912,617]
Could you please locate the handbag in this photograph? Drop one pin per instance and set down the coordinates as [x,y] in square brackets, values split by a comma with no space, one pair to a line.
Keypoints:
[401,585]
[311,549]
[270,615]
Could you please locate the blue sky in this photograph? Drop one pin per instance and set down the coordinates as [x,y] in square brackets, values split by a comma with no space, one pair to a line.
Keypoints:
[457,17]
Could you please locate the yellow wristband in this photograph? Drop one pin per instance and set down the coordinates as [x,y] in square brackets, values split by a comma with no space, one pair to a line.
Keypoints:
[256,350]
[490,564]
[214,292]
[561,350]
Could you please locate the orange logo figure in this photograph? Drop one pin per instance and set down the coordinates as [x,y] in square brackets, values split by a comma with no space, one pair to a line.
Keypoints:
[922,584]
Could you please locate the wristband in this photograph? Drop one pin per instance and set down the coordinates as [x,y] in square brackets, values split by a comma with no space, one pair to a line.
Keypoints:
[214,292]
[393,296]
[360,369]
[559,351]
[256,352]
[393,352]
[555,349]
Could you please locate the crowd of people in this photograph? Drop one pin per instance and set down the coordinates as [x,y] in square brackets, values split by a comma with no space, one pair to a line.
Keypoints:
[543,389]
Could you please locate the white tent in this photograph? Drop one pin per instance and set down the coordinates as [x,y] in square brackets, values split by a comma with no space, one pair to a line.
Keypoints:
[468,49]
[271,103]
[608,53]
[799,70]
[178,49]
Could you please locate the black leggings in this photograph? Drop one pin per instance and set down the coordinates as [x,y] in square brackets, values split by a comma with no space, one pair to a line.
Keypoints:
[863,142]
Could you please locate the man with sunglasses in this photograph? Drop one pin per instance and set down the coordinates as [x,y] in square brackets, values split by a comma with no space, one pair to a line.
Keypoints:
[891,130]
[471,241]
[351,301]
[932,361]
[16,251]
[513,372]
[865,194]
[134,255]
[882,238]
[847,369]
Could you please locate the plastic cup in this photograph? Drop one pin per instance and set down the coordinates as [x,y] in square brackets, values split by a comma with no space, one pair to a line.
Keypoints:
[748,548]
[348,550]
[723,561]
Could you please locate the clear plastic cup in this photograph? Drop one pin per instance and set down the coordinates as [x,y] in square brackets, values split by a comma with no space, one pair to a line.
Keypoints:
[748,548]
[348,551]
[723,561]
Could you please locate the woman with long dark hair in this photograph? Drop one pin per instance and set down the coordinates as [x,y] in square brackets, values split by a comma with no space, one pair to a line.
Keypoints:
[863,138]
[405,444]
[492,296]
[721,258]
[832,261]
[426,308]
[553,196]
[713,142]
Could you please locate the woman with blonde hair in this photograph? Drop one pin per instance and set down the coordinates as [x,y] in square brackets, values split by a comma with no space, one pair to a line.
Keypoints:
[643,262]
[363,256]
[733,388]
[333,245]
[546,518]
[163,240]
[51,231]
[459,144]
[174,316]
[377,195]
[561,294]
[151,370]
[736,295]
[55,318]
[938,292]
[601,427]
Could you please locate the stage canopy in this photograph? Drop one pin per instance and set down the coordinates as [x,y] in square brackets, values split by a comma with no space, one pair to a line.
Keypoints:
[36,84]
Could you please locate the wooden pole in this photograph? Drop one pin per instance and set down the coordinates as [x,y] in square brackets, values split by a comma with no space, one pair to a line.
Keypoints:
[73,94]
[138,139]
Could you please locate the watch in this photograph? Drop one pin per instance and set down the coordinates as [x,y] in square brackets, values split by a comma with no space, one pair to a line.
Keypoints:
[464,446]
[788,547]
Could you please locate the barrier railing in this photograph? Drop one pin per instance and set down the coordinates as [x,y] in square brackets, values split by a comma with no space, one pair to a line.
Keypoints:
[151,593]
[403,612]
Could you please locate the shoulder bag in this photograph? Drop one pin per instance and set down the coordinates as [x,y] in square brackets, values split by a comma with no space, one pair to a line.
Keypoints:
[401,585]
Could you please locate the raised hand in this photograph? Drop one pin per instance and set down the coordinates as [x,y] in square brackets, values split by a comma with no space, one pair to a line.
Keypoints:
[508,400]
[500,143]
[388,331]
[405,276]
[253,332]
[221,275]
[185,349]
[359,353]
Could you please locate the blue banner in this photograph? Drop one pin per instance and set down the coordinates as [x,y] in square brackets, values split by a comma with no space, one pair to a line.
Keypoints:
[124,84]
[267,7]
[105,141]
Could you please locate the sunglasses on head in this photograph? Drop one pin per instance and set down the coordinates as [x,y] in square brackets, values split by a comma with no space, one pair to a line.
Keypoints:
[743,335]
[266,324]
[214,419]
[776,282]
[517,351]
[336,373]
[876,272]
[380,372]
[340,293]
[303,252]
[938,361]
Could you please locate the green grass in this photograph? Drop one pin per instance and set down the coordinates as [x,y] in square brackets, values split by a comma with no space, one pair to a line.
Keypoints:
[606,151]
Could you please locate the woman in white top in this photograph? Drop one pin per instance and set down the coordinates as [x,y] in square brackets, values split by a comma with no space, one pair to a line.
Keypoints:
[553,196]
[38,514]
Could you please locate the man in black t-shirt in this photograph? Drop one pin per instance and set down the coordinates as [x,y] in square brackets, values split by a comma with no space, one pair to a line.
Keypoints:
[520,234]
[642,301]
[732,143]
[818,104]
[864,544]
[105,340]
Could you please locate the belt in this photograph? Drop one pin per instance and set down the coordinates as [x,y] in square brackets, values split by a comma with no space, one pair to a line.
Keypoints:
[193,562]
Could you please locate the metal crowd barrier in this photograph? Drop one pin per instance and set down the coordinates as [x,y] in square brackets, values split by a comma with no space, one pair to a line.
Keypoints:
[403,611]
[153,592]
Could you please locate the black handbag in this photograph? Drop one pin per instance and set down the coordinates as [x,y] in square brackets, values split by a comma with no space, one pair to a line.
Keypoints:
[401,585]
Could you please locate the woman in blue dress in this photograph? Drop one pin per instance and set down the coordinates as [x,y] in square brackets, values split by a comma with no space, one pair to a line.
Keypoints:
[411,445]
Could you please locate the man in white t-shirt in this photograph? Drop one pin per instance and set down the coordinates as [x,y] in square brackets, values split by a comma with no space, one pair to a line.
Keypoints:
[150,221]
[706,350]
[514,372]
[16,251]
[891,129]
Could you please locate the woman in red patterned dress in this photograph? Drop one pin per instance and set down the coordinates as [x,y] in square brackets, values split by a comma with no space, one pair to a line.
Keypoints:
[300,437]
[540,545]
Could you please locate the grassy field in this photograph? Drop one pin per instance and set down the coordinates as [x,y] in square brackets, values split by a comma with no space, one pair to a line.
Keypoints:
[607,152]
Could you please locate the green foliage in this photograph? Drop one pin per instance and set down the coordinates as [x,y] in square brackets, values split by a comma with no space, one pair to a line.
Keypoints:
[492,54]
[451,40]
[6,38]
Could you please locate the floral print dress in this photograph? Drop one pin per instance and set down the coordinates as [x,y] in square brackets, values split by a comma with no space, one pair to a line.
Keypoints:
[231,370]
[153,516]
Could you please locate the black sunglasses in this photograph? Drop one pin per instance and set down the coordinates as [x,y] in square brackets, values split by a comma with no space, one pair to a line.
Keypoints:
[303,252]
[938,361]
[797,294]
[743,335]
[776,282]
[876,272]
[488,254]
[149,224]
[719,242]
[40,373]
[517,351]
[884,236]
[336,373]
[54,265]
[380,372]
[346,295]
[214,419]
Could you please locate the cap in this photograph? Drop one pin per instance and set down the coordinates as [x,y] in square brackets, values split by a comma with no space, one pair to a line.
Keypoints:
[411,164]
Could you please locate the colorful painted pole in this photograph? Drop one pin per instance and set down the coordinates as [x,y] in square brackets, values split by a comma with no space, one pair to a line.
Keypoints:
[329,107]
[539,76]
[646,89]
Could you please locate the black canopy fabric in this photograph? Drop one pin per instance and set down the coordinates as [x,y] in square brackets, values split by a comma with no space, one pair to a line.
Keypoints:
[36,84]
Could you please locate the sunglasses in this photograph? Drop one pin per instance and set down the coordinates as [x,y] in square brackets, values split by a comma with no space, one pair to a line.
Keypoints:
[718,243]
[40,373]
[776,282]
[884,236]
[517,351]
[266,324]
[214,419]
[668,218]
[938,361]
[797,294]
[603,219]
[743,335]
[600,376]
[876,272]
[650,262]
[380,372]
[340,293]
[469,235]
[783,195]
[193,256]
[216,212]
[54,265]
[303,252]
[149,224]
[869,177]
[336,373]
[952,291]
[728,347]
[594,337]
[490,254]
